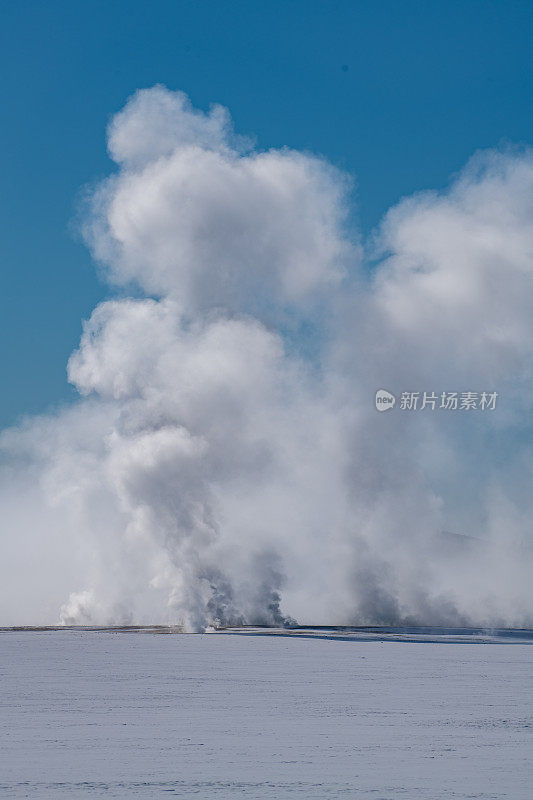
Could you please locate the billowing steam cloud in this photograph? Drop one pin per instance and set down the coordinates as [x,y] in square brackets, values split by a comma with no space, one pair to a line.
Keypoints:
[225,463]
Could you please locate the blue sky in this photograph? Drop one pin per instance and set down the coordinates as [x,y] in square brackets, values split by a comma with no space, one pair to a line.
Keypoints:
[398,93]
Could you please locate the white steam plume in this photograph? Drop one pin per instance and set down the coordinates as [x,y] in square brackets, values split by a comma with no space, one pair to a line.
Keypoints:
[225,463]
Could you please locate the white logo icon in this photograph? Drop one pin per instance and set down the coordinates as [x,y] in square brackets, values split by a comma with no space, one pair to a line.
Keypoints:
[384,400]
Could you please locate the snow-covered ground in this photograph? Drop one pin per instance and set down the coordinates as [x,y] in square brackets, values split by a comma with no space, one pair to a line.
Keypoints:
[108,714]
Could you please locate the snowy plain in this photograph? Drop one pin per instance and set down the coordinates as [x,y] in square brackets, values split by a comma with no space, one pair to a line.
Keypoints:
[241,714]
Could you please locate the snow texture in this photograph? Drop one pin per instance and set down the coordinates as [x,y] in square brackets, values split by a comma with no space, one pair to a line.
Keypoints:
[108,714]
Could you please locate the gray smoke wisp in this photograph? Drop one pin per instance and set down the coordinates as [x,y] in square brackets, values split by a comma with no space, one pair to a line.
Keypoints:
[224,463]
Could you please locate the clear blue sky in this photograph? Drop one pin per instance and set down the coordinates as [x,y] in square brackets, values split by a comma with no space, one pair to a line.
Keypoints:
[398,93]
